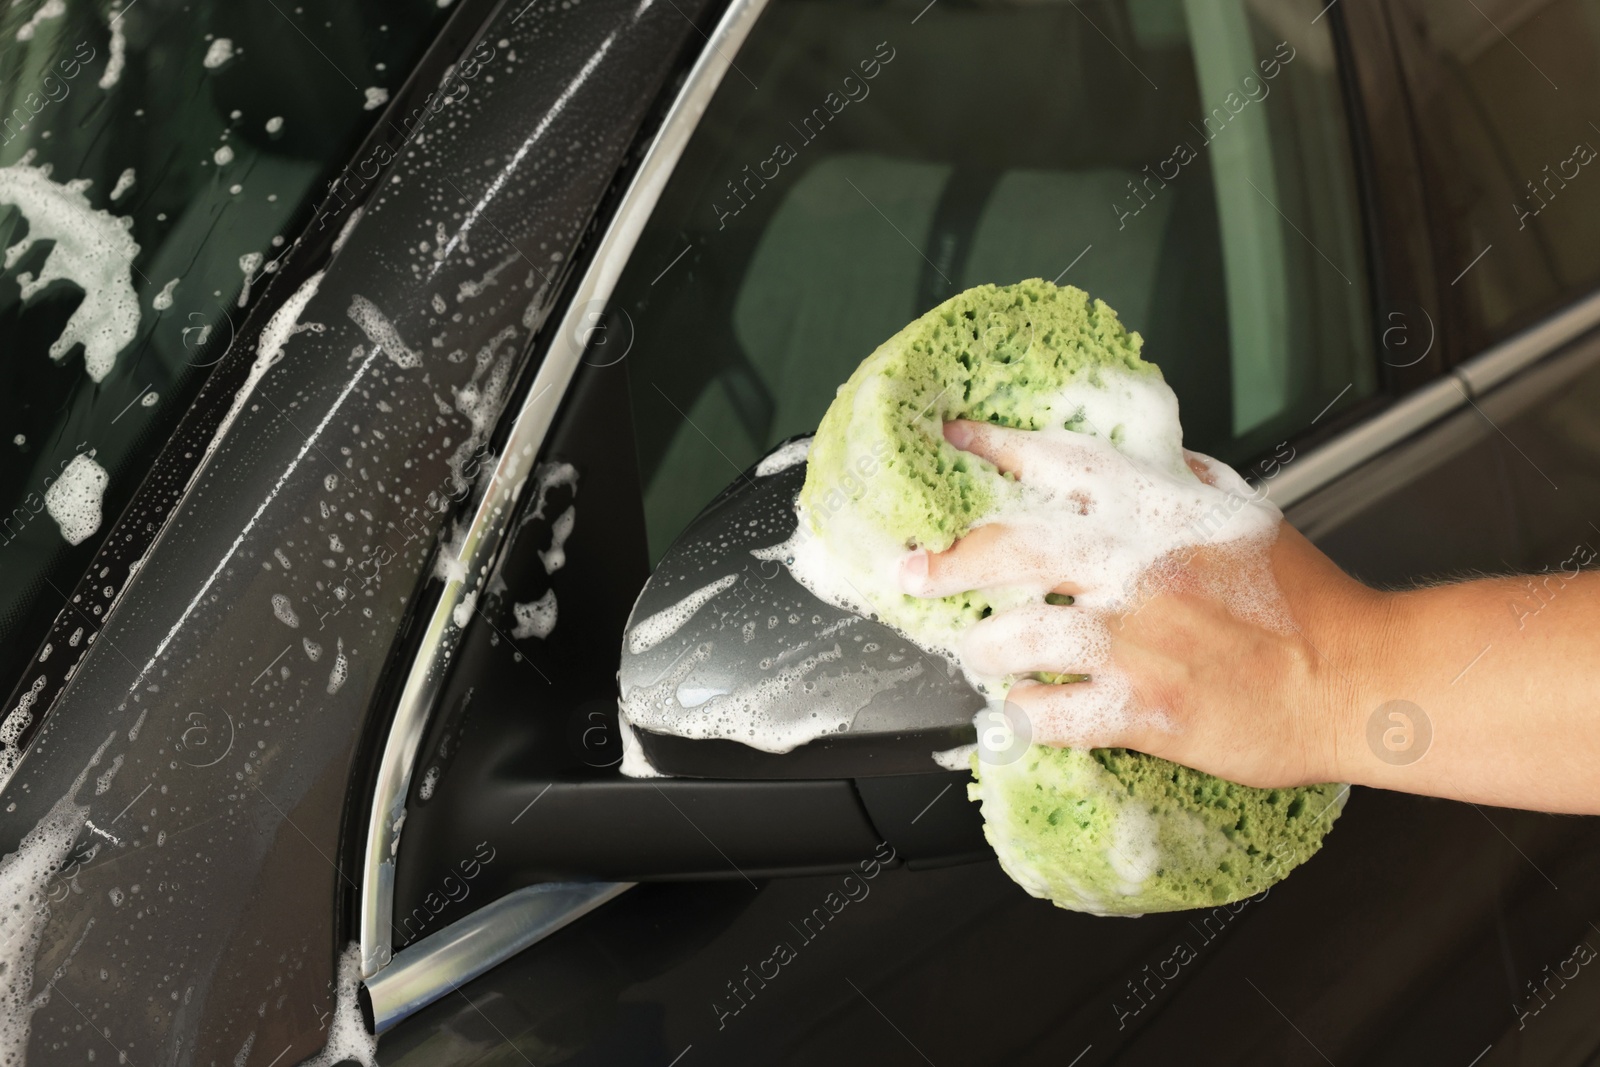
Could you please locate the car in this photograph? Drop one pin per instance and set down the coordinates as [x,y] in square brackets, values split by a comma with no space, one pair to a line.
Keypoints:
[368,359]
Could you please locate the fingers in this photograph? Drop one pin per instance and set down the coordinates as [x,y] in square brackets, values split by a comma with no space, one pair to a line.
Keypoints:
[1005,448]
[1037,637]
[1096,714]
[989,556]
[1201,465]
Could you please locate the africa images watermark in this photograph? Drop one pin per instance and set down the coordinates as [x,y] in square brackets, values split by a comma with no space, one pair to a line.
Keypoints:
[853,889]
[811,126]
[1213,125]
[1144,989]
[55,87]
[1581,954]
[354,178]
[1543,587]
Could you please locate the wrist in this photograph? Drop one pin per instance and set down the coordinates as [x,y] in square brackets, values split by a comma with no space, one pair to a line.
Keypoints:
[1351,680]
[1374,726]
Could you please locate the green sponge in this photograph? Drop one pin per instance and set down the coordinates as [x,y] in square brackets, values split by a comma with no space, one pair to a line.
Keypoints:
[1105,831]
[994,354]
[1114,832]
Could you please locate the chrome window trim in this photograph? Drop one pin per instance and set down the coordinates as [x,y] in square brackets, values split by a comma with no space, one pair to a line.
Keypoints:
[482,541]
[1306,474]
[448,959]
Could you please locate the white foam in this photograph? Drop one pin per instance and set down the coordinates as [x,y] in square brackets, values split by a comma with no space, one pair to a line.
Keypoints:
[555,557]
[25,877]
[274,124]
[284,323]
[1110,506]
[163,300]
[380,331]
[648,633]
[50,9]
[348,1036]
[222,156]
[635,764]
[759,714]
[74,500]
[461,614]
[125,182]
[92,249]
[280,327]
[535,619]
[218,53]
[956,759]
[790,454]
[377,96]
[1133,851]
[341,668]
[284,610]
[119,52]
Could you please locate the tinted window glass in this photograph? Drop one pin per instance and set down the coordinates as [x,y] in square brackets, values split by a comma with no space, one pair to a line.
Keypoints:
[155,160]
[1510,100]
[1186,162]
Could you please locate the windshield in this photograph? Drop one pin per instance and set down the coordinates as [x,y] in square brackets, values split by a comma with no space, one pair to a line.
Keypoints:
[156,160]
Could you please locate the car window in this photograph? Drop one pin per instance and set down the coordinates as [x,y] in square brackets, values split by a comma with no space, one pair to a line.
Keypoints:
[1509,101]
[156,160]
[1189,163]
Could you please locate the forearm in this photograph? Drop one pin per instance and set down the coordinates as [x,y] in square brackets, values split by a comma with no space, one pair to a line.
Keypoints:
[1504,674]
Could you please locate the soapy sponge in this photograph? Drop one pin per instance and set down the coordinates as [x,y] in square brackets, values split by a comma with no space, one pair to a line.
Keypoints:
[1106,831]
[1114,832]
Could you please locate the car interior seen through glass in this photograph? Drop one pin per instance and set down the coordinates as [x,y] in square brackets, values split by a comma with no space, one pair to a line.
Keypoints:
[867,181]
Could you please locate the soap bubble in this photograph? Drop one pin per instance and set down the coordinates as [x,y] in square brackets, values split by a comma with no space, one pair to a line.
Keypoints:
[1399,732]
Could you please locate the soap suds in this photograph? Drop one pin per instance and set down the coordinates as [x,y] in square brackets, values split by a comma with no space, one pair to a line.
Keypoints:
[74,500]
[163,300]
[790,454]
[1111,516]
[535,619]
[284,323]
[555,557]
[348,1037]
[758,714]
[635,764]
[219,52]
[284,610]
[380,331]
[119,52]
[341,668]
[956,759]
[25,877]
[125,182]
[50,9]
[461,614]
[650,632]
[377,96]
[92,249]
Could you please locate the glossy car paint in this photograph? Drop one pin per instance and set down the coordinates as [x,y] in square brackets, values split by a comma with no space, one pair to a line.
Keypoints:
[219,723]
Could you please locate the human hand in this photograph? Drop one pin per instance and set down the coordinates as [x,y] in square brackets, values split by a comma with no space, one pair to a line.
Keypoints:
[1216,657]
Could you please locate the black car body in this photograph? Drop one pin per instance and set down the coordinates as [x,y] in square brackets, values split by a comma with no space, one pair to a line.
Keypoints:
[317,729]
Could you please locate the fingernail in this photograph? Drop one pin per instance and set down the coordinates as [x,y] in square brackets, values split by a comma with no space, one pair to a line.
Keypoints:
[958,434]
[914,571]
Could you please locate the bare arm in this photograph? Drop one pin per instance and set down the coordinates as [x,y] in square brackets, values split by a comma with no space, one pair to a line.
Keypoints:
[1485,691]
